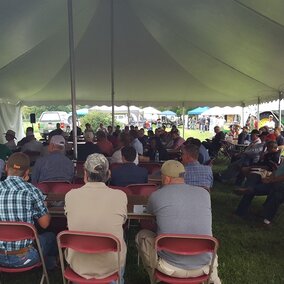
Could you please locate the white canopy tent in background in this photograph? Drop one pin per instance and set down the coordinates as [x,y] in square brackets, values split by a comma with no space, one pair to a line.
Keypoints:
[133,112]
[165,52]
[151,113]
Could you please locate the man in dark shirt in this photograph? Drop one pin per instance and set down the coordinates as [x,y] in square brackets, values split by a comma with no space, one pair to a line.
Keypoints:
[57,131]
[29,137]
[215,144]
[84,150]
[244,135]
[128,172]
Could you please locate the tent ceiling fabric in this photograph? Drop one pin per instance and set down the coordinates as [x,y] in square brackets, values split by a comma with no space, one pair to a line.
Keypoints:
[166,52]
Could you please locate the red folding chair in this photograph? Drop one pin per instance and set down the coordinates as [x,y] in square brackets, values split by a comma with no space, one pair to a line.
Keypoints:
[17,231]
[145,189]
[44,187]
[186,245]
[63,187]
[47,186]
[89,243]
[151,167]
[125,189]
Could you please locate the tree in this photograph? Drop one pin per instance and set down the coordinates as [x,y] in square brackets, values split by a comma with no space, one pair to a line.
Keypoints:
[95,118]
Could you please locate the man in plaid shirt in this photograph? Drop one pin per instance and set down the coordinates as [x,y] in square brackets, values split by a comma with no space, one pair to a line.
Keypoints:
[20,201]
[195,173]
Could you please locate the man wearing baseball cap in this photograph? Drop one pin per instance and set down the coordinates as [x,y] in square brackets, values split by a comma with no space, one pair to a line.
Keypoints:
[96,208]
[55,166]
[179,209]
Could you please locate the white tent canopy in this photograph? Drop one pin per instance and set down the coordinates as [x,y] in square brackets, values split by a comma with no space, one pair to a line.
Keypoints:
[166,52]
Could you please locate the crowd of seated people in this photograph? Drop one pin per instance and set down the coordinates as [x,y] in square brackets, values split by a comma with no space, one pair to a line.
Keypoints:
[96,199]
[185,185]
[257,171]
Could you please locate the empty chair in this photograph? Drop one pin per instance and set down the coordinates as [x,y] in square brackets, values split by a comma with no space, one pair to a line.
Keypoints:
[17,231]
[89,243]
[186,245]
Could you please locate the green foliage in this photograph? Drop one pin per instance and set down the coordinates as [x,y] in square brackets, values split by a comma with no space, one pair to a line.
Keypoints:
[95,118]
[38,110]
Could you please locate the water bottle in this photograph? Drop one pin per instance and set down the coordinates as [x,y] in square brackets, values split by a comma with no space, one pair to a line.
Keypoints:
[157,156]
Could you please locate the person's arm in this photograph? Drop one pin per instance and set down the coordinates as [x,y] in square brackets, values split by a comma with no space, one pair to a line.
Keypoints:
[44,221]
[40,212]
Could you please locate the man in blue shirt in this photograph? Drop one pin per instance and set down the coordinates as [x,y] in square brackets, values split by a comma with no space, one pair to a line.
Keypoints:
[195,173]
[20,201]
[128,172]
[179,209]
[55,166]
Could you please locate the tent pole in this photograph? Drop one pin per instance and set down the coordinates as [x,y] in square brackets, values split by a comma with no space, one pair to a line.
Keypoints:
[243,115]
[183,122]
[128,113]
[280,114]
[258,103]
[112,63]
[72,76]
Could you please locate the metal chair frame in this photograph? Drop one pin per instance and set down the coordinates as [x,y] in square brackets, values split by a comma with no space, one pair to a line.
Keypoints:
[90,243]
[16,231]
[186,244]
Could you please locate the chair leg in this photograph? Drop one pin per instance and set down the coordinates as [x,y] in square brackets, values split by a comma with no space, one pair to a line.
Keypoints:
[42,279]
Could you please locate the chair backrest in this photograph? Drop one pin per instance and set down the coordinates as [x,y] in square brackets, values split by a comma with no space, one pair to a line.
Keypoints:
[48,186]
[151,167]
[63,188]
[88,242]
[16,231]
[145,189]
[186,244]
[125,189]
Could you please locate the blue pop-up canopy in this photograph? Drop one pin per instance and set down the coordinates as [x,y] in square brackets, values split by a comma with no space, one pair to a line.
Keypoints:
[197,110]
[168,113]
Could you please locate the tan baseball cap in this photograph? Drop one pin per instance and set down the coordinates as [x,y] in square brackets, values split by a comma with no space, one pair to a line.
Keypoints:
[96,162]
[172,168]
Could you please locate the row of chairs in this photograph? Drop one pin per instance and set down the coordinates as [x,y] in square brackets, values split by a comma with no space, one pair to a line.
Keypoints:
[62,187]
[92,243]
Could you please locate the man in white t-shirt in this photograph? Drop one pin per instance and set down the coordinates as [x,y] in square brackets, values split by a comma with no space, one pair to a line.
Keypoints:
[270,123]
